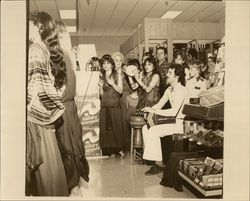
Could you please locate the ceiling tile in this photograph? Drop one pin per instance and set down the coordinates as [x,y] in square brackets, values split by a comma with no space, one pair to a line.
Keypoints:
[213,7]
[66,4]
[215,17]
[44,5]
[160,8]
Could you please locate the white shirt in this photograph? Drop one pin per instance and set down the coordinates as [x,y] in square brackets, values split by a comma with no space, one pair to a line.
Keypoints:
[176,98]
[195,87]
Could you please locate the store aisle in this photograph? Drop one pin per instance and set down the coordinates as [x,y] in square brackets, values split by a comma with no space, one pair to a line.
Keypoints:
[123,178]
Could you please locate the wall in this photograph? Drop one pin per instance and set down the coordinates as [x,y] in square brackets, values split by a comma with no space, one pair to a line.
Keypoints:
[104,44]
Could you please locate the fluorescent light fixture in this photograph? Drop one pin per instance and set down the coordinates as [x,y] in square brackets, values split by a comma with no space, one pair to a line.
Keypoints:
[171,14]
[71,28]
[68,14]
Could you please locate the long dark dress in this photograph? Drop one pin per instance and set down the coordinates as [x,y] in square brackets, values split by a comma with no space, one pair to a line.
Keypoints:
[69,134]
[112,137]
[126,90]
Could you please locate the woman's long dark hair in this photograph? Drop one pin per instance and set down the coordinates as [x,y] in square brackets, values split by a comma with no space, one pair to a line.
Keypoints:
[152,61]
[58,68]
[47,30]
[45,23]
[108,58]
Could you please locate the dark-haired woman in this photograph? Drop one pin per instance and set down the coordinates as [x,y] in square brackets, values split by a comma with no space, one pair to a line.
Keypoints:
[45,175]
[149,82]
[112,138]
[69,133]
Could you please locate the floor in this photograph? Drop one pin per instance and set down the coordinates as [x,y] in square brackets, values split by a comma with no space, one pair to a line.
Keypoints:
[124,178]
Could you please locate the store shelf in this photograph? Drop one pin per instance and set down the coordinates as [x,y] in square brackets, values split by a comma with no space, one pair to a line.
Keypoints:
[206,193]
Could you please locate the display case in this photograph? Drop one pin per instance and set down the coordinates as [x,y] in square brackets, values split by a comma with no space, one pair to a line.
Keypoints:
[208,138]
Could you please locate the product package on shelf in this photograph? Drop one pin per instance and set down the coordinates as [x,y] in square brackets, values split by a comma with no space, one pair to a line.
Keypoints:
[207,173]
[188,162]
[210,175]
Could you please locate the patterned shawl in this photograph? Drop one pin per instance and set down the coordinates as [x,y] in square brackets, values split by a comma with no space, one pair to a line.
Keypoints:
[43,103]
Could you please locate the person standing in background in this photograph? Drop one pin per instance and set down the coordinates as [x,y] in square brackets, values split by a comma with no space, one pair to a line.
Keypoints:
[126,90]
[132,99]
[163,65]
[112,137]
[44,167]
[69,134]
[179,58]
[195,84]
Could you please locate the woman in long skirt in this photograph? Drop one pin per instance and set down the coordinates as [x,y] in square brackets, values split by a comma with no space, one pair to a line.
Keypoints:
[112,137]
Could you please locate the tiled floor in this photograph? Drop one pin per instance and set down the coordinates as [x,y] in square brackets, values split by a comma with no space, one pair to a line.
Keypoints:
[124,178]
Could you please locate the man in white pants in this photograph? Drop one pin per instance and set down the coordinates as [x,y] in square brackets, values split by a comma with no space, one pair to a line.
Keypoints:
[175,94]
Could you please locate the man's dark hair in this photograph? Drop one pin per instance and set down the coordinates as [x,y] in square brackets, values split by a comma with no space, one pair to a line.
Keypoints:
[179,71]
[162,48]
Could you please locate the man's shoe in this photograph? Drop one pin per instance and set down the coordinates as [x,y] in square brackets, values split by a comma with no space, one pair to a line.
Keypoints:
[166,183]
[150,163]
[155,169]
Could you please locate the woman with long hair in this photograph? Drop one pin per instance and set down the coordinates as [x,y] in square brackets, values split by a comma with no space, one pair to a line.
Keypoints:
[112,137]
[149,82]
[69,133]
[45,175]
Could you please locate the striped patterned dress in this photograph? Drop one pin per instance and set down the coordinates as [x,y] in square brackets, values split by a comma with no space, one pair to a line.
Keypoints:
[45,175]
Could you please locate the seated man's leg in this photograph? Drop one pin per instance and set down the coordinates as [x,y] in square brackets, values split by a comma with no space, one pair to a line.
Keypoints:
[152,142]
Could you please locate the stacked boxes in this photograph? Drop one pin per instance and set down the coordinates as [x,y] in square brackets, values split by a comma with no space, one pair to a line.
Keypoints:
[206,173]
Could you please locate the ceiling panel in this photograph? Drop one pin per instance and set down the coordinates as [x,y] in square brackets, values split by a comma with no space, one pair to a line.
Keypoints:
[210,10]
[218,7]
[66,4]
[83,4]
[195,8]
[103,12]
[160,8]
[182,5]
[215,17]
[86,14]
[138,13]
[46,4]
[121,12]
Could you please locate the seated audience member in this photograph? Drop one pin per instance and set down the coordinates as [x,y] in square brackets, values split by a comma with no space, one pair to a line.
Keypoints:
[175,94]
[195,84]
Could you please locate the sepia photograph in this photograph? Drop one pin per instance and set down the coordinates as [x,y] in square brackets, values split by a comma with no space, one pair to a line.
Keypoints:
[125,99]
